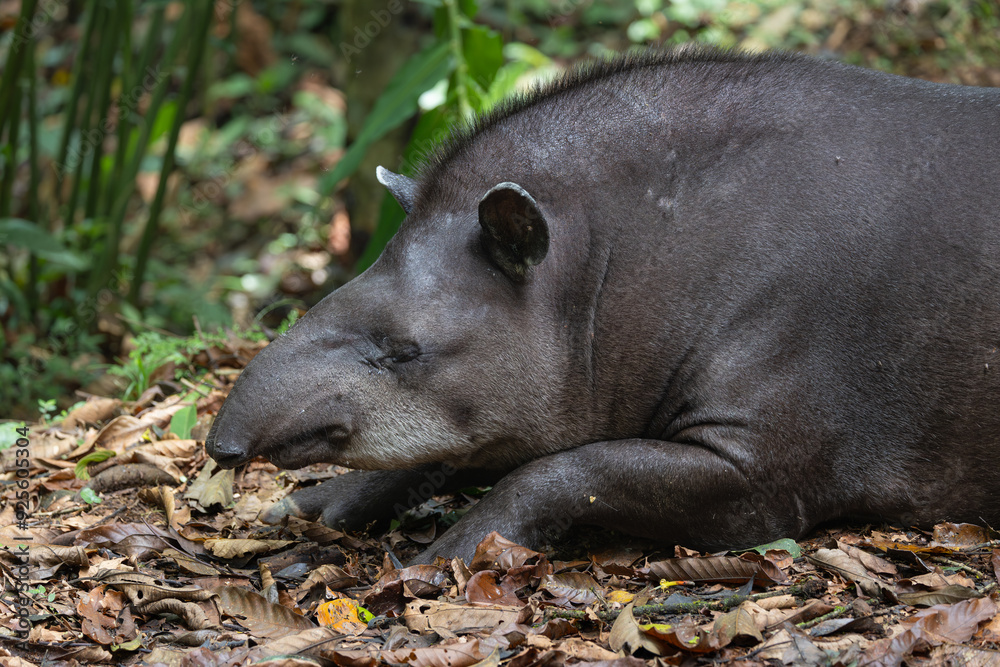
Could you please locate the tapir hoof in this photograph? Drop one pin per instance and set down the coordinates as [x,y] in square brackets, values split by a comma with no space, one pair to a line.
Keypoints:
[279,510]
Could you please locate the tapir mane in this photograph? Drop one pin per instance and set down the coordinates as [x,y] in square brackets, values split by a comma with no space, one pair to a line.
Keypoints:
[584,75]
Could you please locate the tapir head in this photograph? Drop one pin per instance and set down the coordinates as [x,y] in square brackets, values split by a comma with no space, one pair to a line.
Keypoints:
[422,358]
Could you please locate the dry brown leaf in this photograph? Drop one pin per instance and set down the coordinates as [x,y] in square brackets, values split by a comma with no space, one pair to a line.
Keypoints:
[736,624]
[229,549]
[161,413]
[791,647]
[210,489]
[498,553]
[871,562]
[330,576]
[193,616]
[94,411]
[572,587]
[944,595]
[447,619]
[119,433]
[310,643]
[248,508]
[450,655]
[956,623]
[627,637]
[957,535]
[586,651]
[171,449]
[966,656]
[777,602]
[720,569]
[849,569]
[483,588]
[261,617]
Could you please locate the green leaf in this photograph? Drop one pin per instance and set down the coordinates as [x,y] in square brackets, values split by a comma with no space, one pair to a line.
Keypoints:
[395,105]
[9,434]
[32,237]
[784,544]
[88,496]
[483,51]
[183,421]
[94,457]
[365,615]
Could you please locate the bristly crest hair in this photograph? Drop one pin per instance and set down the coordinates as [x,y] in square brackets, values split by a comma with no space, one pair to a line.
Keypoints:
[579,75]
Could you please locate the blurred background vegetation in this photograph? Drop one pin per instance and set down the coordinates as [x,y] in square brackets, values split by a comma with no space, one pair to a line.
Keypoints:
[173,168]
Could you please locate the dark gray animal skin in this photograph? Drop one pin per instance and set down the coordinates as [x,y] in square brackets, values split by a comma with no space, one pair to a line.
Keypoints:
[702,297]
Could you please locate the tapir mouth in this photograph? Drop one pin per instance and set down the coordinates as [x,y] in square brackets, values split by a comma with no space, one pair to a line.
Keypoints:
[319,445]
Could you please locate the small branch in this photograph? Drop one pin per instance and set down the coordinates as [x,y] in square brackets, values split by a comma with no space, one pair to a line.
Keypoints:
[724,604]
[837,611]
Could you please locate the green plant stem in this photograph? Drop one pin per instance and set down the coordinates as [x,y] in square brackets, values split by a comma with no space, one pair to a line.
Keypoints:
[84,129]
[105,79]
[10,102]
[198,39]
[120,185]
[461,67]
[695,606]
[15,61]
[10,152]
[34,207]
[133,160]
[73,104]
[131,79]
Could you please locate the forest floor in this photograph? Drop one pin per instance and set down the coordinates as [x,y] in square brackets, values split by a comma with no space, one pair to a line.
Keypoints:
[153,556]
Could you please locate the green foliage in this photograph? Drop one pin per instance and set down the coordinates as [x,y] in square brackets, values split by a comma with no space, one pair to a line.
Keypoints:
[9,433]
[97,456]
[461,74]
[86,145]
[46,407]
[88,496]
[152,352]
[183,421]
[784,544]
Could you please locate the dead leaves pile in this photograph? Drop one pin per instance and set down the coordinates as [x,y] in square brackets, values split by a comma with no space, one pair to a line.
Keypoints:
[172,568]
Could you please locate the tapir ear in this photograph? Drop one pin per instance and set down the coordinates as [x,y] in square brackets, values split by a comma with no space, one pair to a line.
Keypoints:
[515,234]
[403,188]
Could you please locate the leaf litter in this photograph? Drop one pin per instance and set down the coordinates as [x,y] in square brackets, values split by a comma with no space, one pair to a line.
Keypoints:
[174,568]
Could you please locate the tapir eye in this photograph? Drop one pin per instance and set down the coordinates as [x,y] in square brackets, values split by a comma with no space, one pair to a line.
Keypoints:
[408,353]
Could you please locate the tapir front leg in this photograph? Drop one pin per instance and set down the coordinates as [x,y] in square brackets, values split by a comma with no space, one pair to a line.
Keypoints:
[359,497]
[671,492]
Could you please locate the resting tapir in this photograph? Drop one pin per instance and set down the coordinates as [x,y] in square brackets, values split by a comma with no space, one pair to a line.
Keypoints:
[699,296]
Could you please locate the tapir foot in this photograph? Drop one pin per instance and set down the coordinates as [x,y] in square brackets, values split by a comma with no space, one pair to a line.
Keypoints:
[670,492]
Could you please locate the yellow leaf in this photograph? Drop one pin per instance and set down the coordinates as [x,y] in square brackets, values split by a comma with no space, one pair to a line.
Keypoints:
[342,616]
[623,597]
